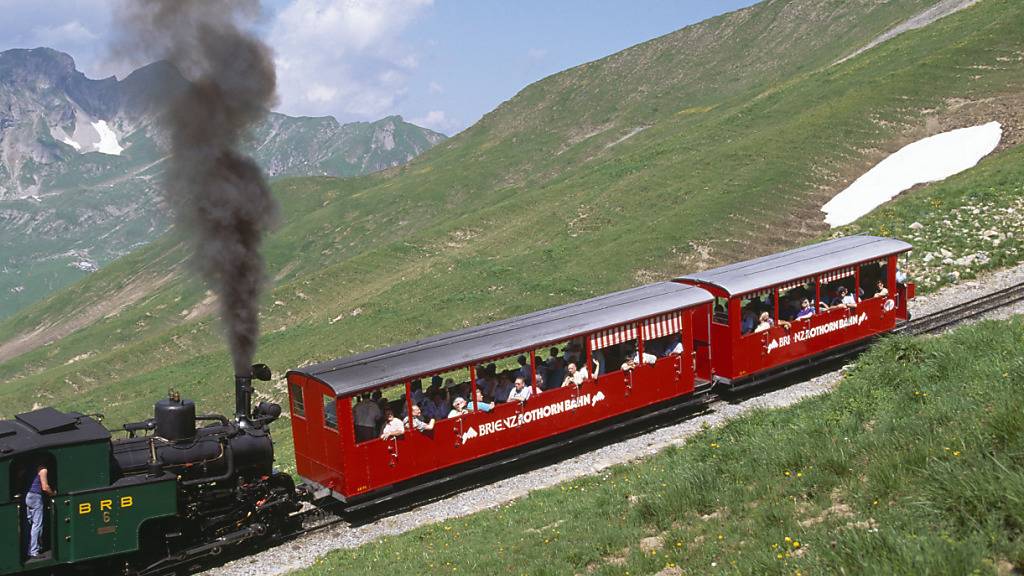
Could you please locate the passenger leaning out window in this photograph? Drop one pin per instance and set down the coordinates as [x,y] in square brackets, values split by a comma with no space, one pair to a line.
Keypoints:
[393,427]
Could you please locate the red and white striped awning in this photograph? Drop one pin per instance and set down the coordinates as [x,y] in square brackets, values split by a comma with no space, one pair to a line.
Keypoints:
[833,275]
[671,323]
[612,336]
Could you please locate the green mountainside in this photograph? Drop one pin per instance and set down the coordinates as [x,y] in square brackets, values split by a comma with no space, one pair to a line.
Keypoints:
[714,143]
[69,203]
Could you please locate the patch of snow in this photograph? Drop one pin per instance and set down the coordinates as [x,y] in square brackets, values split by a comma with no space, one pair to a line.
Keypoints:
[928,160]
[71,143]
[108,140]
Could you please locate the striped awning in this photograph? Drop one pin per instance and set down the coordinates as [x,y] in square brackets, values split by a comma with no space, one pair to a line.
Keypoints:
[612,336]
[795,283]
[838,274]
[664,325]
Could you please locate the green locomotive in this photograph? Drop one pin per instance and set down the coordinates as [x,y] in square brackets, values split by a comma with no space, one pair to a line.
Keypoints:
[168,493]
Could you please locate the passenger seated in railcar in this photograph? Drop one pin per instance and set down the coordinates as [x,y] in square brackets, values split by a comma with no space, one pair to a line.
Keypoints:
[748,321]
[524,367]
[502,389]
[521,392]
[845,298]
[880,289]
[418,397]
[418,422]
[574,376]
[555,369]
[597,357]
[393,427]
[806,310]
[540,380]
[633,359]
[458,408]
[436,407]
[480,404]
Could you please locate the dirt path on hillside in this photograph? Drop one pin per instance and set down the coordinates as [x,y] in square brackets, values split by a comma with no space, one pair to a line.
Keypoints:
[940,10]
[55,329]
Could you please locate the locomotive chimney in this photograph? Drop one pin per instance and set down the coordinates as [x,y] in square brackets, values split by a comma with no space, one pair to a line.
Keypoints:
[244,390]
[243,396]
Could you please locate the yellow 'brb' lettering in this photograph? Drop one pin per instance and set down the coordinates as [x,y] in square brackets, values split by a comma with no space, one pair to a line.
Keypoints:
[127,501]
[84,508]
[106,504]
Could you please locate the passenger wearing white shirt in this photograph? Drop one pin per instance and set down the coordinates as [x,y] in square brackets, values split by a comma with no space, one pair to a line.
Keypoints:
[393,427]
[521,392]
[634,360]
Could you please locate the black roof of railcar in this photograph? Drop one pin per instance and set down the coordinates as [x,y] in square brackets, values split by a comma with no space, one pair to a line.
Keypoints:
[743,277]
[48,428]
[354,374]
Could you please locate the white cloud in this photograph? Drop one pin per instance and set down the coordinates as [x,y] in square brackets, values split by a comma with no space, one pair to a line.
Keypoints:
[435,88]
[536,53]
[438,121]
[343,57]
[68,33]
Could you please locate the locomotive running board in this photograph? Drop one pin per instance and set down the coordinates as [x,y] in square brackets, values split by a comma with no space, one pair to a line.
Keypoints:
[695,399]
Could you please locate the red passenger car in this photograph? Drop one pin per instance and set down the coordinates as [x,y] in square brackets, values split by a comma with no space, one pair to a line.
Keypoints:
[772,314]
[653,325]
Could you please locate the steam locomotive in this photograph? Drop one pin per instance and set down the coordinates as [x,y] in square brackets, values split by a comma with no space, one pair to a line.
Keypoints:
[168,493]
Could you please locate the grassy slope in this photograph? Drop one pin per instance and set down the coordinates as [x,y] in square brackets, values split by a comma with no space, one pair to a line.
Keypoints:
[543,202]
[913,465]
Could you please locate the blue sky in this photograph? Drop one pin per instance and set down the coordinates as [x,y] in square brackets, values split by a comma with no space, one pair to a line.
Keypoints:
[439,63]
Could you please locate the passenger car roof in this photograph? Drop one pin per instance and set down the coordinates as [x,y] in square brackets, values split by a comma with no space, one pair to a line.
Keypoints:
[47,428]
[767,271]
[369,370]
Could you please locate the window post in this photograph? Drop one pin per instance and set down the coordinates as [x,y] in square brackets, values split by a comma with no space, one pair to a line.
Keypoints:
[817,294]
[533,372]
[472,385]
[408,403]
[775,297]
[589,360]
[639,343]
[856,283]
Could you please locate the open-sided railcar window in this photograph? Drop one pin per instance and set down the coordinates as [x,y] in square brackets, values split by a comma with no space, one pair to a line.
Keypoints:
[441,391]
[370,410]
[616,348]
[754,304]
[797,300]
[874,279]
[838,287]
[662,335]
[496,379]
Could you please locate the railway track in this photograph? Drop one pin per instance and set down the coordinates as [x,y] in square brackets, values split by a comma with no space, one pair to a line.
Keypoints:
[938,321]
[317,519]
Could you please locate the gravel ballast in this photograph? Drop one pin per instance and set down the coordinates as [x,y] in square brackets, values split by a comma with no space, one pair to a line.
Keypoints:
[303,551]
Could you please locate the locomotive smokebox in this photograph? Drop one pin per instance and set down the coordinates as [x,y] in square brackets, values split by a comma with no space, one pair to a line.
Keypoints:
[175,418]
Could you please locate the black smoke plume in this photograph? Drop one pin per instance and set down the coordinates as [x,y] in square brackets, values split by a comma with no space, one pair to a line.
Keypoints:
[221,200]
